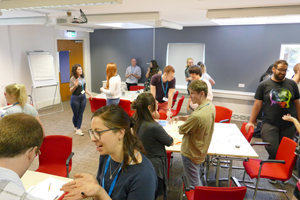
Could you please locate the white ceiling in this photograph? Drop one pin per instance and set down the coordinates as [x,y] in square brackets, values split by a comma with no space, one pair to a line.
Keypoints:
[183,12]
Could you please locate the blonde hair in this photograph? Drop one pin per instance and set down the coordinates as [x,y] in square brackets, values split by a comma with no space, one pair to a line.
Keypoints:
[187,60]
[19,91]
[203,67]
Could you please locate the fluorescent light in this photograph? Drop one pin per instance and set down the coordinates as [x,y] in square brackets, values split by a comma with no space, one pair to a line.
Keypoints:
[42,4]
[240,21]
[74,28]
[23,21]
[162,23]
[124,25]
[124,17]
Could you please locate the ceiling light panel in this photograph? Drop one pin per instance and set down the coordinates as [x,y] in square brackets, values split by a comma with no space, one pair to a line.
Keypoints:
[43,4]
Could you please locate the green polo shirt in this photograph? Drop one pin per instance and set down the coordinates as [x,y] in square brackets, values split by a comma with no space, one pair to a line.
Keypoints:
[198,130]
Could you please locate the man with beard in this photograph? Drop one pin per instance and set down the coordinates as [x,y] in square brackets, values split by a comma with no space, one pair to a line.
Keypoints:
[281,97]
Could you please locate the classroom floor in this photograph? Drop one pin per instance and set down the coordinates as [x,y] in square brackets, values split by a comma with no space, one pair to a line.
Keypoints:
[86,157]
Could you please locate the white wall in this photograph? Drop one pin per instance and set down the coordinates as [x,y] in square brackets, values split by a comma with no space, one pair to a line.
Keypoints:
[16,40]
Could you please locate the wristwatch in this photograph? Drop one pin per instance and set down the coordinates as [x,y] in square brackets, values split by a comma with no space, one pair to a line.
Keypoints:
[169,109]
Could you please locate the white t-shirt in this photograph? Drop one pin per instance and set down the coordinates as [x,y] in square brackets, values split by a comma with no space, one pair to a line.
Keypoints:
[28,109]
[114,90]
[206,76]
[209,93]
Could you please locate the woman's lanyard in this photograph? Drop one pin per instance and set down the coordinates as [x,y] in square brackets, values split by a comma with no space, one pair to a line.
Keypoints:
[162,84]
[82,83]
[115,179]
[15,104]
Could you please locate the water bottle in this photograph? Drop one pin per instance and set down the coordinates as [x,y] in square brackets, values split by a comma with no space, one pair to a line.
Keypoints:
[123,91]
[168,125]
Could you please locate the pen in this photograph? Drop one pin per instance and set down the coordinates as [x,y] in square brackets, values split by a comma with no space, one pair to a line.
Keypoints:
[55,197]
[49,187]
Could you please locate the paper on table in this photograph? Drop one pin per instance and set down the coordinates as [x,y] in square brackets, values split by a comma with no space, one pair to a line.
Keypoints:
[41,189]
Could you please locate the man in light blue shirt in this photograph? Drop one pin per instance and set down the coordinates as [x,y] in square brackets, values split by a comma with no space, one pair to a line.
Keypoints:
[133,74]
[21,138]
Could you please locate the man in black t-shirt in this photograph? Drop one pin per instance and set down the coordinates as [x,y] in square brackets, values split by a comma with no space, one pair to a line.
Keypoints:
[280,96]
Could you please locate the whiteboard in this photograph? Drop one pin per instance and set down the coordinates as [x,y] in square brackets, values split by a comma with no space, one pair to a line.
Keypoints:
[177,54]
[41,68]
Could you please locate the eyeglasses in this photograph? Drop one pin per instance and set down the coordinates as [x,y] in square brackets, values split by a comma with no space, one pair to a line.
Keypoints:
[97,134]
[282,70]
[37,152]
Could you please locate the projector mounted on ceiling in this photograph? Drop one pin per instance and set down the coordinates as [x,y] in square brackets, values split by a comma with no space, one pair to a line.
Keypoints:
[70,20]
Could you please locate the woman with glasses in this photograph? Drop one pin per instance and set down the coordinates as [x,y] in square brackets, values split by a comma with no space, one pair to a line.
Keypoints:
[153,137]
[16,95]
[124,172]
[113,85]
[78,100]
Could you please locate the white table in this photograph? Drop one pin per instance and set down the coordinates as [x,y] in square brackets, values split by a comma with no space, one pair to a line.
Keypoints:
[32,178]
[225,139]
[129,95]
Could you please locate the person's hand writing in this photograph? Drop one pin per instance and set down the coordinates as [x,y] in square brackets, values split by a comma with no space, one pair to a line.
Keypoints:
[85,183]
[174,119]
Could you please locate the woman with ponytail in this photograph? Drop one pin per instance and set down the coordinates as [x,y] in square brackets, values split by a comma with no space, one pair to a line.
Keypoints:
[16,95]
[124,172]
[113,85]
[153,137]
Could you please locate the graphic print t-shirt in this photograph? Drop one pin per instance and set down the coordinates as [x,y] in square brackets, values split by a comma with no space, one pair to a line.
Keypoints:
[279,100]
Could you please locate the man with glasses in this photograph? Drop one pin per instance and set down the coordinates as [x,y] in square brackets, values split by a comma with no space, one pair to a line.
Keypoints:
[281,97]
[21,137]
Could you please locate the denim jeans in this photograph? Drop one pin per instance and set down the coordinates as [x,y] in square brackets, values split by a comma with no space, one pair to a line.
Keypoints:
[77,103]
[112,101]
[192,172]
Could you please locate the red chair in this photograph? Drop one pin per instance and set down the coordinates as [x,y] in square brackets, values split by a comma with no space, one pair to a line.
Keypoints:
[175,98]
[279,169]
[56,155]
[163,115]
[126,105]
[97,103]
[215,193]
[223,115]
[250,133]
[137,87]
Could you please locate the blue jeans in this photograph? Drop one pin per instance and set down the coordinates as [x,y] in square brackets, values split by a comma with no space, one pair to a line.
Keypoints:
[77,103]
[112,101]
[192,172]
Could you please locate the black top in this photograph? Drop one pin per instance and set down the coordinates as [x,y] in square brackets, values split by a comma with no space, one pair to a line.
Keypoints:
[137,182]
[278,98]
[79,88]
[156,81]
[154,139]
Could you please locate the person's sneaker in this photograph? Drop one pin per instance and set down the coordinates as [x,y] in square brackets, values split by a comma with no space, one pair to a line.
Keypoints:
[79,132]
[285,182]
[272,181]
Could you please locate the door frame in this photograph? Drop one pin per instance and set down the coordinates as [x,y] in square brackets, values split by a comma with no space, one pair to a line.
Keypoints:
[86,59]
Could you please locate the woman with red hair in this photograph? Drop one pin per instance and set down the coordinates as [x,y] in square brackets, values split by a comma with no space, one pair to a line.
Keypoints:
[113,85]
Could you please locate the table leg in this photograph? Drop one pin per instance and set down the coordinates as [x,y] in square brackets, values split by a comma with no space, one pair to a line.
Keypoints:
[207,168]
[218,171]
[230,172]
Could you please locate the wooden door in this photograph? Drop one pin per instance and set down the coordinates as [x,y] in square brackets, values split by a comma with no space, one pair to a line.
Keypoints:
[75,56]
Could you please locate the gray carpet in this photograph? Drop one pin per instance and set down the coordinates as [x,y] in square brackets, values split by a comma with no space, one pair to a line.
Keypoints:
[86,156]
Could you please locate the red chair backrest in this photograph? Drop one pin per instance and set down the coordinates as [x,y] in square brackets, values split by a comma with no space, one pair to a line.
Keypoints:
[175,98]
[219,193]
[97,103]
[223,113]
[178,106]
[250,133]
[126,105]
[56,149]
[163,115]
[285,152]
[135,88]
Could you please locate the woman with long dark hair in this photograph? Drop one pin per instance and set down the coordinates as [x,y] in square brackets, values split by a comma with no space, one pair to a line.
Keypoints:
[78,100]
[153,137]
[113,85]
[124,172]
[152,70]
